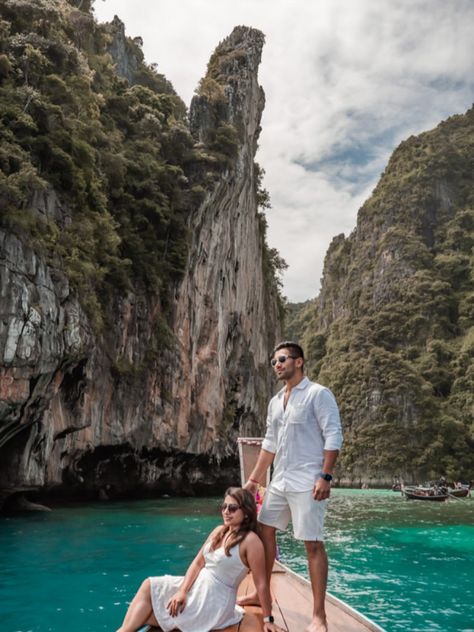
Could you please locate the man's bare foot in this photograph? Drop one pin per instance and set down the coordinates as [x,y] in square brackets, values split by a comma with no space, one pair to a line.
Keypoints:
[317,625]
[249,600]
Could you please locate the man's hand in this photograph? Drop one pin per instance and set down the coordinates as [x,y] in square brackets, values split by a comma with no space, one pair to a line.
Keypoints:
[176,604]
[321,489]
[252,487]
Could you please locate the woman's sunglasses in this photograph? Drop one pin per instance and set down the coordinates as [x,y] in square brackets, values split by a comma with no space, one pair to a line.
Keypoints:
[231,507]
[281,359]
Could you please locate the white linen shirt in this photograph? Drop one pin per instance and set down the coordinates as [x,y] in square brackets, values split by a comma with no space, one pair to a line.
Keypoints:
[299,435]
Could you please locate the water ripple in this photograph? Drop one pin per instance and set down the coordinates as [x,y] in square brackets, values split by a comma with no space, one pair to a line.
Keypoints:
[404,565]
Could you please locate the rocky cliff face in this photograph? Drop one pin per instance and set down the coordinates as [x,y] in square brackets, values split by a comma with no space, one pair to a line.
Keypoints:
[392,329]
[115,412]
[226,319]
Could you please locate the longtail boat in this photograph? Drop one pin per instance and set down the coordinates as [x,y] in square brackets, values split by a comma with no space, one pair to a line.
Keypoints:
[460,492]
[425,493]
[291,593]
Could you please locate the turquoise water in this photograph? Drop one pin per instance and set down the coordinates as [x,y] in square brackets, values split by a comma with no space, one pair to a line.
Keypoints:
[407,565]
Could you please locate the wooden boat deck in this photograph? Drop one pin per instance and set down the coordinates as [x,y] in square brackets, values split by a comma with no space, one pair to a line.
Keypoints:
[292,607]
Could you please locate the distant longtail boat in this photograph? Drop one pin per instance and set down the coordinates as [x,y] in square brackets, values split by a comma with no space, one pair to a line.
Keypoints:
[424,493]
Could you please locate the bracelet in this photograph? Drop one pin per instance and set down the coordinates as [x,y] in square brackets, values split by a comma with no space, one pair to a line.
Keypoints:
[252,480]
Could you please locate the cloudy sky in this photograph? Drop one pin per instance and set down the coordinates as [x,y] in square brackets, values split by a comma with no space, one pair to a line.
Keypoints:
[345,82]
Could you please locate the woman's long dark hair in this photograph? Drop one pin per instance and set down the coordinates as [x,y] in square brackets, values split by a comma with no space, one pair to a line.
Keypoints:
[246,501]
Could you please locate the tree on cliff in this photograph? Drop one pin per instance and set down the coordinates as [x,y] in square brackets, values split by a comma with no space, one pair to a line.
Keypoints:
[113,150]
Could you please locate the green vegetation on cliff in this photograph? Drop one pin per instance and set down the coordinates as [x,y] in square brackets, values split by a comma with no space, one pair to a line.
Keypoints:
[114,152]
[86,121]
[392,331]
[273,264]
[99,169]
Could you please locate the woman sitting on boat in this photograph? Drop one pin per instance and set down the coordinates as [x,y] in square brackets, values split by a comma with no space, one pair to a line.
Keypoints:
[205,598]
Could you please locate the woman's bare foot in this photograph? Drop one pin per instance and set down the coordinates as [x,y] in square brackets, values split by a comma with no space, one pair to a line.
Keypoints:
[249,600]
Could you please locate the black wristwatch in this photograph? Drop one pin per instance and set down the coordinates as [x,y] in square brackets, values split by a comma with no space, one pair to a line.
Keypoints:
[268,619]
[327,477]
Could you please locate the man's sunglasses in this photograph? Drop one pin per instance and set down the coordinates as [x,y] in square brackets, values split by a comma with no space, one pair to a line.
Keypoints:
[231,507]
[281,359]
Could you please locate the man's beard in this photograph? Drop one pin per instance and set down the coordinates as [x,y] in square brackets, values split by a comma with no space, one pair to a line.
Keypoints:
[286,375]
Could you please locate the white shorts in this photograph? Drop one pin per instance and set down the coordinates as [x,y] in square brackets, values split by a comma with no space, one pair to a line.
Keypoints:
[307,514]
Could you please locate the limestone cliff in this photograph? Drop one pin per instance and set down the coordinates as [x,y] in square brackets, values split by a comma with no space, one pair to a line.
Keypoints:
[392,329]
[145,385]
[226,315]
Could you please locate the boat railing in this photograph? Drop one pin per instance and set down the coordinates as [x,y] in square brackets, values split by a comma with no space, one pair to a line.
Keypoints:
[249,449]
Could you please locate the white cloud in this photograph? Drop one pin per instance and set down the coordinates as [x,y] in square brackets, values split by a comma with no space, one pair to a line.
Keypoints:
[345,81]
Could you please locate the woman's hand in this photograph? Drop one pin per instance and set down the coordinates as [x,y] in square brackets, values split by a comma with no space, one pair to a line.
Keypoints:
[271,627]
[176,604]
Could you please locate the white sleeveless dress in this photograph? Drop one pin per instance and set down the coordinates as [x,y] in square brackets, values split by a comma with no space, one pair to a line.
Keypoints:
[211,601]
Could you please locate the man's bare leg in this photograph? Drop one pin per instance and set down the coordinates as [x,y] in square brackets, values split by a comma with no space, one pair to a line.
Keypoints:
[269,544]
[318,572]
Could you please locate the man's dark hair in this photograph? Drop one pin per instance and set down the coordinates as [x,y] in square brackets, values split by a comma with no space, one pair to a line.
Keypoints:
[288,344]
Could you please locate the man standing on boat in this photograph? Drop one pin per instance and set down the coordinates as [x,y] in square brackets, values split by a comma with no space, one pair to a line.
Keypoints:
[302,440]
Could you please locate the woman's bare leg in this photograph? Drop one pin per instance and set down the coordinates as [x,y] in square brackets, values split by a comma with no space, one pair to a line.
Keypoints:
[152,621]
[139,610]
[131,606]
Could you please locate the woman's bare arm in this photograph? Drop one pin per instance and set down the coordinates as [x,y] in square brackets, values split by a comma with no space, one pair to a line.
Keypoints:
[177,603]
[255,555]
[197,564]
